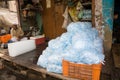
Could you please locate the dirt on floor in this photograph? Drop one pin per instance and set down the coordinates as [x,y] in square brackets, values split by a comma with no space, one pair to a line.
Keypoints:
[8,75]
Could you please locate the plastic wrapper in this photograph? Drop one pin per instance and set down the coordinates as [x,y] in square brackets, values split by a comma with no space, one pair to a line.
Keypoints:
[42,61]
[47,52]
[66,38]
[71,55]
[77,26]
[81,41]
[82,44]
[87,14]
[98,44]
[55,59]
[54,68]
[92,34]
[56,44]
[91,56]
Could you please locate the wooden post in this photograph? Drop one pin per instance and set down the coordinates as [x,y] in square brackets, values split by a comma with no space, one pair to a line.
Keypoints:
[93,13]
[97,15]
[18,11]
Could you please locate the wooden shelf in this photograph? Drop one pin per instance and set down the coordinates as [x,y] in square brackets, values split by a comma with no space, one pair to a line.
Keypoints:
[88,20]
[28,62]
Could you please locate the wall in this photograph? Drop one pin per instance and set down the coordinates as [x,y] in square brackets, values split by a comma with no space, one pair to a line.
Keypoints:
[52,19]
[108,6]
[103,19]
[107,14]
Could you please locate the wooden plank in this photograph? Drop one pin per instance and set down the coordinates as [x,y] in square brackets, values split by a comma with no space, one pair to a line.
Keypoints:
[18,12]
[4,55]
[93,13]
[59,10]
[27,60]
[97,18]
[53,19]
[48,16]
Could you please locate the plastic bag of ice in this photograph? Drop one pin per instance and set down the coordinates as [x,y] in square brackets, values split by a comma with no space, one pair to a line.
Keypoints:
[95,32]
[42,61]
[80,44]
[75,27]
[81,41]
[54,68]
[91,33]
[55,59]
[81,36]
[71,55]
[98,44]
[51,42]
[91,56]
[66,38]
[47,52]
[58,51]
[56,43]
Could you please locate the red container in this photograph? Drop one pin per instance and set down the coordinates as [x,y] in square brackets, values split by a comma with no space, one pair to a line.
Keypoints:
[39,41]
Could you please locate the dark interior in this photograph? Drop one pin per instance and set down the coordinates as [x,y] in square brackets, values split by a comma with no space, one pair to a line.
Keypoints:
[116,22]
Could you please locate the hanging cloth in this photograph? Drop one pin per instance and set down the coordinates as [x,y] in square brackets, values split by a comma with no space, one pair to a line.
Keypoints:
[67,19]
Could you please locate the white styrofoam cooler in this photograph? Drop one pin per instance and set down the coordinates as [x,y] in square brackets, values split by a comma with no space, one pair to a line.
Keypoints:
[21,47]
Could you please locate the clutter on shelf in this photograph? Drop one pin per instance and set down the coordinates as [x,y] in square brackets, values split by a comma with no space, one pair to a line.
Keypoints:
[77,10]
[80,10]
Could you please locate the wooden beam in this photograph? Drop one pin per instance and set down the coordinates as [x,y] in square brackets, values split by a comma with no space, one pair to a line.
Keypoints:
[93,13]
[97,18]
[18,11]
